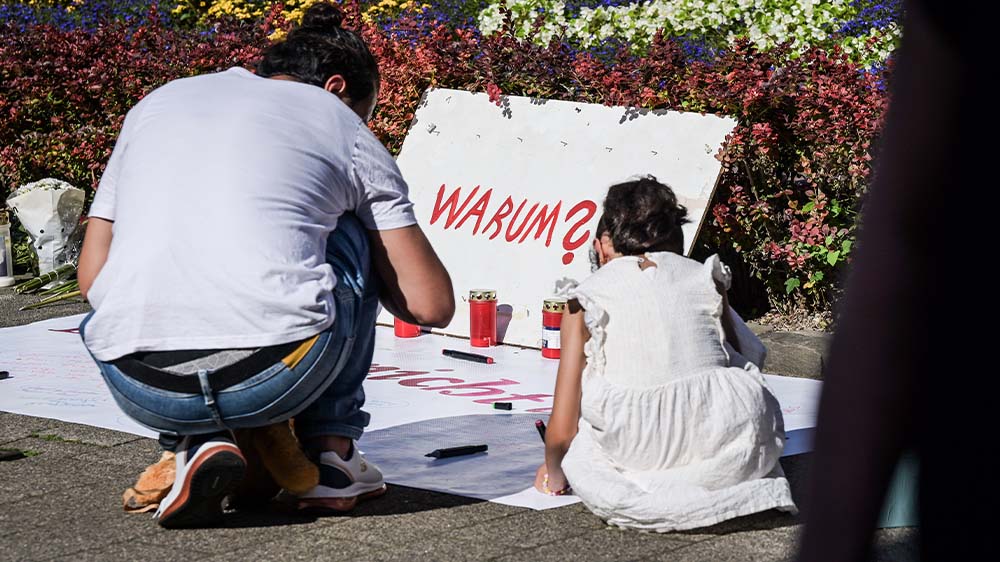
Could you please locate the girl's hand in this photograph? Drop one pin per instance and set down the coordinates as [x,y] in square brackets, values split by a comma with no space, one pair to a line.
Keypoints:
[540,478]
[551,483]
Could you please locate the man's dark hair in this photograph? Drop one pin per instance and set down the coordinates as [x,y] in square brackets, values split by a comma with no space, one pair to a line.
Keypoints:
[643,216]
[318,49]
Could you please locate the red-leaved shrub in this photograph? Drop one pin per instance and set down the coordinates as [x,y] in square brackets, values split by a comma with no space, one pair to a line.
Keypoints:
[794,170]
[64,94]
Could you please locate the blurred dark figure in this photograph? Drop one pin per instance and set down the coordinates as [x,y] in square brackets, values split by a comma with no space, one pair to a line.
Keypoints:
[911,353]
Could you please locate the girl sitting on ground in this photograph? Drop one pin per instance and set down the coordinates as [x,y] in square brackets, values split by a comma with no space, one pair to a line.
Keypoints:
[651,425]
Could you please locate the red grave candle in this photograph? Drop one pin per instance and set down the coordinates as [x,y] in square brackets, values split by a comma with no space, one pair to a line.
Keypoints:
[552,312]
[482,317]
[405,329]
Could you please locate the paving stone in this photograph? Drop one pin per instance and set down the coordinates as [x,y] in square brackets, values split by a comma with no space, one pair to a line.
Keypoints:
[10,302]
[133,456]
[764,521]
[897,545]
[64,522]
[403,499]
[34,476]
[14,426]
[43,444]
[306,548]
[87,434]
[500,537]
[796,354]
[135,549]
[606,544]
[771,545]
[402,528]
[68,520]
[434,548]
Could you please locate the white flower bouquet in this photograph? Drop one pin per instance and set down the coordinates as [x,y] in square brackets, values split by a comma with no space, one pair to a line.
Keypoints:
[50,211]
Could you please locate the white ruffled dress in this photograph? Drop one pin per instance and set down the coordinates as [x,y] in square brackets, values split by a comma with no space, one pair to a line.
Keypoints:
[677,431]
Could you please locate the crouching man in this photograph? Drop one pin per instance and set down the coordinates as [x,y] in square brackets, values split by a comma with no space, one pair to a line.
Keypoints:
[240,240]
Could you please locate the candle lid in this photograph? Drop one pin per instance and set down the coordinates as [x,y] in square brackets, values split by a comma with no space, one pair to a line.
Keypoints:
[482,295]
[554,305]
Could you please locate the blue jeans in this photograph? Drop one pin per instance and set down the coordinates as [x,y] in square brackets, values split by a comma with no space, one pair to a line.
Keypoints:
[323,391]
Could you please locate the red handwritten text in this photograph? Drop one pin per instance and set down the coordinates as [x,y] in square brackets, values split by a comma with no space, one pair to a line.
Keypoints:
[515,223]
[483,392]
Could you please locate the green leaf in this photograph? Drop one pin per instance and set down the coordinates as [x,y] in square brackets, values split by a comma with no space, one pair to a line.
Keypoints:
[791,285]
[829,240]
[818,276]
[846,246]
[832,257]
[808,207]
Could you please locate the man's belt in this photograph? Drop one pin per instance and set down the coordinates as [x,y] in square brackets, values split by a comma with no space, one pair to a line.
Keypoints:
[148,368]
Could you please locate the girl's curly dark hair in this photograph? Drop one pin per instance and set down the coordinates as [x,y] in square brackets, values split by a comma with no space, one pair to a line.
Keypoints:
[318,49]
[643,216]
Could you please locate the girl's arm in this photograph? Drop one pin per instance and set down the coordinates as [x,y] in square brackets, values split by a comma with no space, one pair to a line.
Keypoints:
[566,403]
[727,324]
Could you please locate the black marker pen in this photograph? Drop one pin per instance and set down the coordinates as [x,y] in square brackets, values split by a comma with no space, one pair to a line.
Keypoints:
[457,451]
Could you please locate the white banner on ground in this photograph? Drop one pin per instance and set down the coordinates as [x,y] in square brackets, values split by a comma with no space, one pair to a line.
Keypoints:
[509,195]
[410,386]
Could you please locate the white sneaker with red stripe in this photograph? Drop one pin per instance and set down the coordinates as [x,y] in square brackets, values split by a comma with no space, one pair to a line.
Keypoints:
[343,483]
[209,467]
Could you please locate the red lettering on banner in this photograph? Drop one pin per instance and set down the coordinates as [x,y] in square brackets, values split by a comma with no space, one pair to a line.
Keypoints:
[67,331]
[469,389]
[450,204]
[417,382]
[376,368]
[503,212]
[541,220]
[512,221]
[511,237]
[479,209]
[568,243]
[514,398]
[486,388]
[398,375]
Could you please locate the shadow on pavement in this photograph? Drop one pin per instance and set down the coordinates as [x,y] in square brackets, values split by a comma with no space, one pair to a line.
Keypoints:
[399,500]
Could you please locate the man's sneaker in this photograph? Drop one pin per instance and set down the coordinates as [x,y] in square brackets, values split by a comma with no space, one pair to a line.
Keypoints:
[208,468]
[342,483]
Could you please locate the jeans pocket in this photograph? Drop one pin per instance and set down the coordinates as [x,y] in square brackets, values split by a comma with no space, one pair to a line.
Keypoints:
[158,409]
[311,386]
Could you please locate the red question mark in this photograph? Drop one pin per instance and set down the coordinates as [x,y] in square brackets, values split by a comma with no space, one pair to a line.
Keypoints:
[568,243]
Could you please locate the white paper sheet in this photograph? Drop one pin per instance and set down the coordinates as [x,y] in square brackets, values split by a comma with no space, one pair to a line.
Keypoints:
[53,376]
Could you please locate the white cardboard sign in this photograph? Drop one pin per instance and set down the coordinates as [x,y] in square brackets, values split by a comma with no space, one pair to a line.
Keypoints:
[509,195]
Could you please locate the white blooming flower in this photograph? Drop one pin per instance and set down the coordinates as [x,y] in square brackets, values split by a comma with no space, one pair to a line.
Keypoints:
[801,22]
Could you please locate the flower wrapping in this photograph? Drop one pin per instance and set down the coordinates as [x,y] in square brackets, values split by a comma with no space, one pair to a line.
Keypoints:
[50,211]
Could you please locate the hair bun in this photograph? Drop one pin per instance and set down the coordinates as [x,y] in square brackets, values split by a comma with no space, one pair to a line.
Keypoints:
[323,16]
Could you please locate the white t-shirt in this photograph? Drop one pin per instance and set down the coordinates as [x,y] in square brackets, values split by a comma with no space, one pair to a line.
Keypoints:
[223,189]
